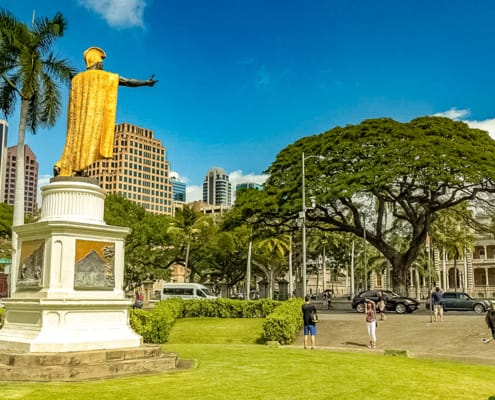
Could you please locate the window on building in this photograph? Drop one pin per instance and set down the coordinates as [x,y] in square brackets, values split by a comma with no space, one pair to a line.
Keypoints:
[491,276]
[479,277]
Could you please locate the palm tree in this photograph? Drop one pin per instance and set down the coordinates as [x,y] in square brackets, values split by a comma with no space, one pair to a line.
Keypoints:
[270,259]
[451,232]
[30,71]
[188,223]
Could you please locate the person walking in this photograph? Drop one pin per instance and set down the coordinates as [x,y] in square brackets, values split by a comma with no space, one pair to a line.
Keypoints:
[310,316]
[371,323]
[436,298]
[381,305]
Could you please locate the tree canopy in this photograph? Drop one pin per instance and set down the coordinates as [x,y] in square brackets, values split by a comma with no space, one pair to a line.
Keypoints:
[370,176]
[146,247]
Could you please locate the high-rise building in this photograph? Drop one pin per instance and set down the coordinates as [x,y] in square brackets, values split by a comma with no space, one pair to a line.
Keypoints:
[30,178]
[4,130]
[248,185]
[178,190]
[217,190]
[138,170]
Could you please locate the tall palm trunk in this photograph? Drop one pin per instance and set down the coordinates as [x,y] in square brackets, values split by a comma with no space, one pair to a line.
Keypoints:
[186,263]
[20,168]
[18,217]
[248,268]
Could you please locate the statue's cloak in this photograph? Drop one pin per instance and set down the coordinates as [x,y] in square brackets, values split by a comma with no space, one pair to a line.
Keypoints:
[90,120]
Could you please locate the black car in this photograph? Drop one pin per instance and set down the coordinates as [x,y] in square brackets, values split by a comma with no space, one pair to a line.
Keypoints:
[393,301]
[461,301]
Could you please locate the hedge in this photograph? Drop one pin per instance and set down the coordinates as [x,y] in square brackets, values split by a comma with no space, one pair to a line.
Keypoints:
[2,312]
[227,308]
[155,325]
[284,323]
[283,319]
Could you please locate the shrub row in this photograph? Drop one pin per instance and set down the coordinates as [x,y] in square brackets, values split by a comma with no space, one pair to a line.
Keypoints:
[155,325]
[283,319]
[227,308]
[284,323]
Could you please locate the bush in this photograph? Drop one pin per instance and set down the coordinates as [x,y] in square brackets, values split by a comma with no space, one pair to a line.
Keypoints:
[284,323]
[227,308]
[2,316]
[155,325]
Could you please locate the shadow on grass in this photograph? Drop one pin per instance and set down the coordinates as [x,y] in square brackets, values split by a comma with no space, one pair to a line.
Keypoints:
[355,344]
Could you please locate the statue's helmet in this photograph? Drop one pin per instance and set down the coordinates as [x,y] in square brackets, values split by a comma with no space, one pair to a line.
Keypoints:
[93,55]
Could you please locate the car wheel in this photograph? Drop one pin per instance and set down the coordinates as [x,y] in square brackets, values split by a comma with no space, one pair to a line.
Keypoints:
[400,308]
[360,307]
[478,308]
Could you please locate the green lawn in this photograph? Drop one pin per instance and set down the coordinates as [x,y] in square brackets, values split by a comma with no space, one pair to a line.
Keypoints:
[242,370]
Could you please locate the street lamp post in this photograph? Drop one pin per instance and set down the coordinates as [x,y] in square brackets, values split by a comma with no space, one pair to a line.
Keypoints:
[303,215]
[430,299]
[365,259]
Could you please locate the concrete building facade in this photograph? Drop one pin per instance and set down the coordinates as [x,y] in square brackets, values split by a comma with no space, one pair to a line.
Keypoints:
[248,185]
[139,170]
[178,190]
[31,168]
[217,190]
[4,130]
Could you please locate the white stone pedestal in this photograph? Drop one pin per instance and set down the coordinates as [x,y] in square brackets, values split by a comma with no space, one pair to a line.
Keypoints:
[67,292]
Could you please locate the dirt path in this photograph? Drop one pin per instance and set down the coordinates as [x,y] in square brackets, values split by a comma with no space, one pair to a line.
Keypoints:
[458,338]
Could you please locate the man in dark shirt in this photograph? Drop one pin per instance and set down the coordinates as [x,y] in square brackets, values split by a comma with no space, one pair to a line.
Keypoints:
[309,325]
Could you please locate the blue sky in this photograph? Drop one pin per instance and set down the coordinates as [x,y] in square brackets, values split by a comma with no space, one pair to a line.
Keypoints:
[239,80]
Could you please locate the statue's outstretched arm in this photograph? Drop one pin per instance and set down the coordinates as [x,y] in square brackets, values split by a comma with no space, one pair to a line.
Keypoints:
[129,82]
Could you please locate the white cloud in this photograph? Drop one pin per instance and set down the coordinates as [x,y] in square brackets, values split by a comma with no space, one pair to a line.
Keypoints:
[237,177]
[194,193]
[118,13]
[486,125]
[43,180]
[453,113]
[461,115]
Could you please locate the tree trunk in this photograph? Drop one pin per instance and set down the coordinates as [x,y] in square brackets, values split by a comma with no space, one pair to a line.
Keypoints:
[18,217]
[186,262]
[271,282]
[20,170]
[248,270]
[399,278]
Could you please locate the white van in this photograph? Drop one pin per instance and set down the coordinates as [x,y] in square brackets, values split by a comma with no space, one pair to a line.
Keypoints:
[185,291]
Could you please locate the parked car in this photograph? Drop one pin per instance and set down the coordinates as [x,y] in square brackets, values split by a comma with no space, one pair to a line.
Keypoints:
[393,301]
[461,301]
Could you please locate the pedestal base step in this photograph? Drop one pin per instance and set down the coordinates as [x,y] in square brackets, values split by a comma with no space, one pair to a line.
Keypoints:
[83,365]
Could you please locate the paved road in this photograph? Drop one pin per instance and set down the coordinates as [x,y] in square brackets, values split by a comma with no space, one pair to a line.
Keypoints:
[457,338]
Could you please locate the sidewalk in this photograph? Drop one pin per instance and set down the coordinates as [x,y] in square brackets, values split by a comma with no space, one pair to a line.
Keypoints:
[458,338]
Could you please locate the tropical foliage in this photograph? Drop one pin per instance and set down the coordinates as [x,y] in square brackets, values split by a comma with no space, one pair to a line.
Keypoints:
[376,173]
[30,72]
[146,255]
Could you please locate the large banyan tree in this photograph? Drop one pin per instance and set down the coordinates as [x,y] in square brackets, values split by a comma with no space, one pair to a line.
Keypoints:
[379,176]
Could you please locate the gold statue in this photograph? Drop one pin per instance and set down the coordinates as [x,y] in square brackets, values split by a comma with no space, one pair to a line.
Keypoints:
[91,116]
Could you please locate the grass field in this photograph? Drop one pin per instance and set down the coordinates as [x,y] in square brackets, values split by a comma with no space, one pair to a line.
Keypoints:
[229,365]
